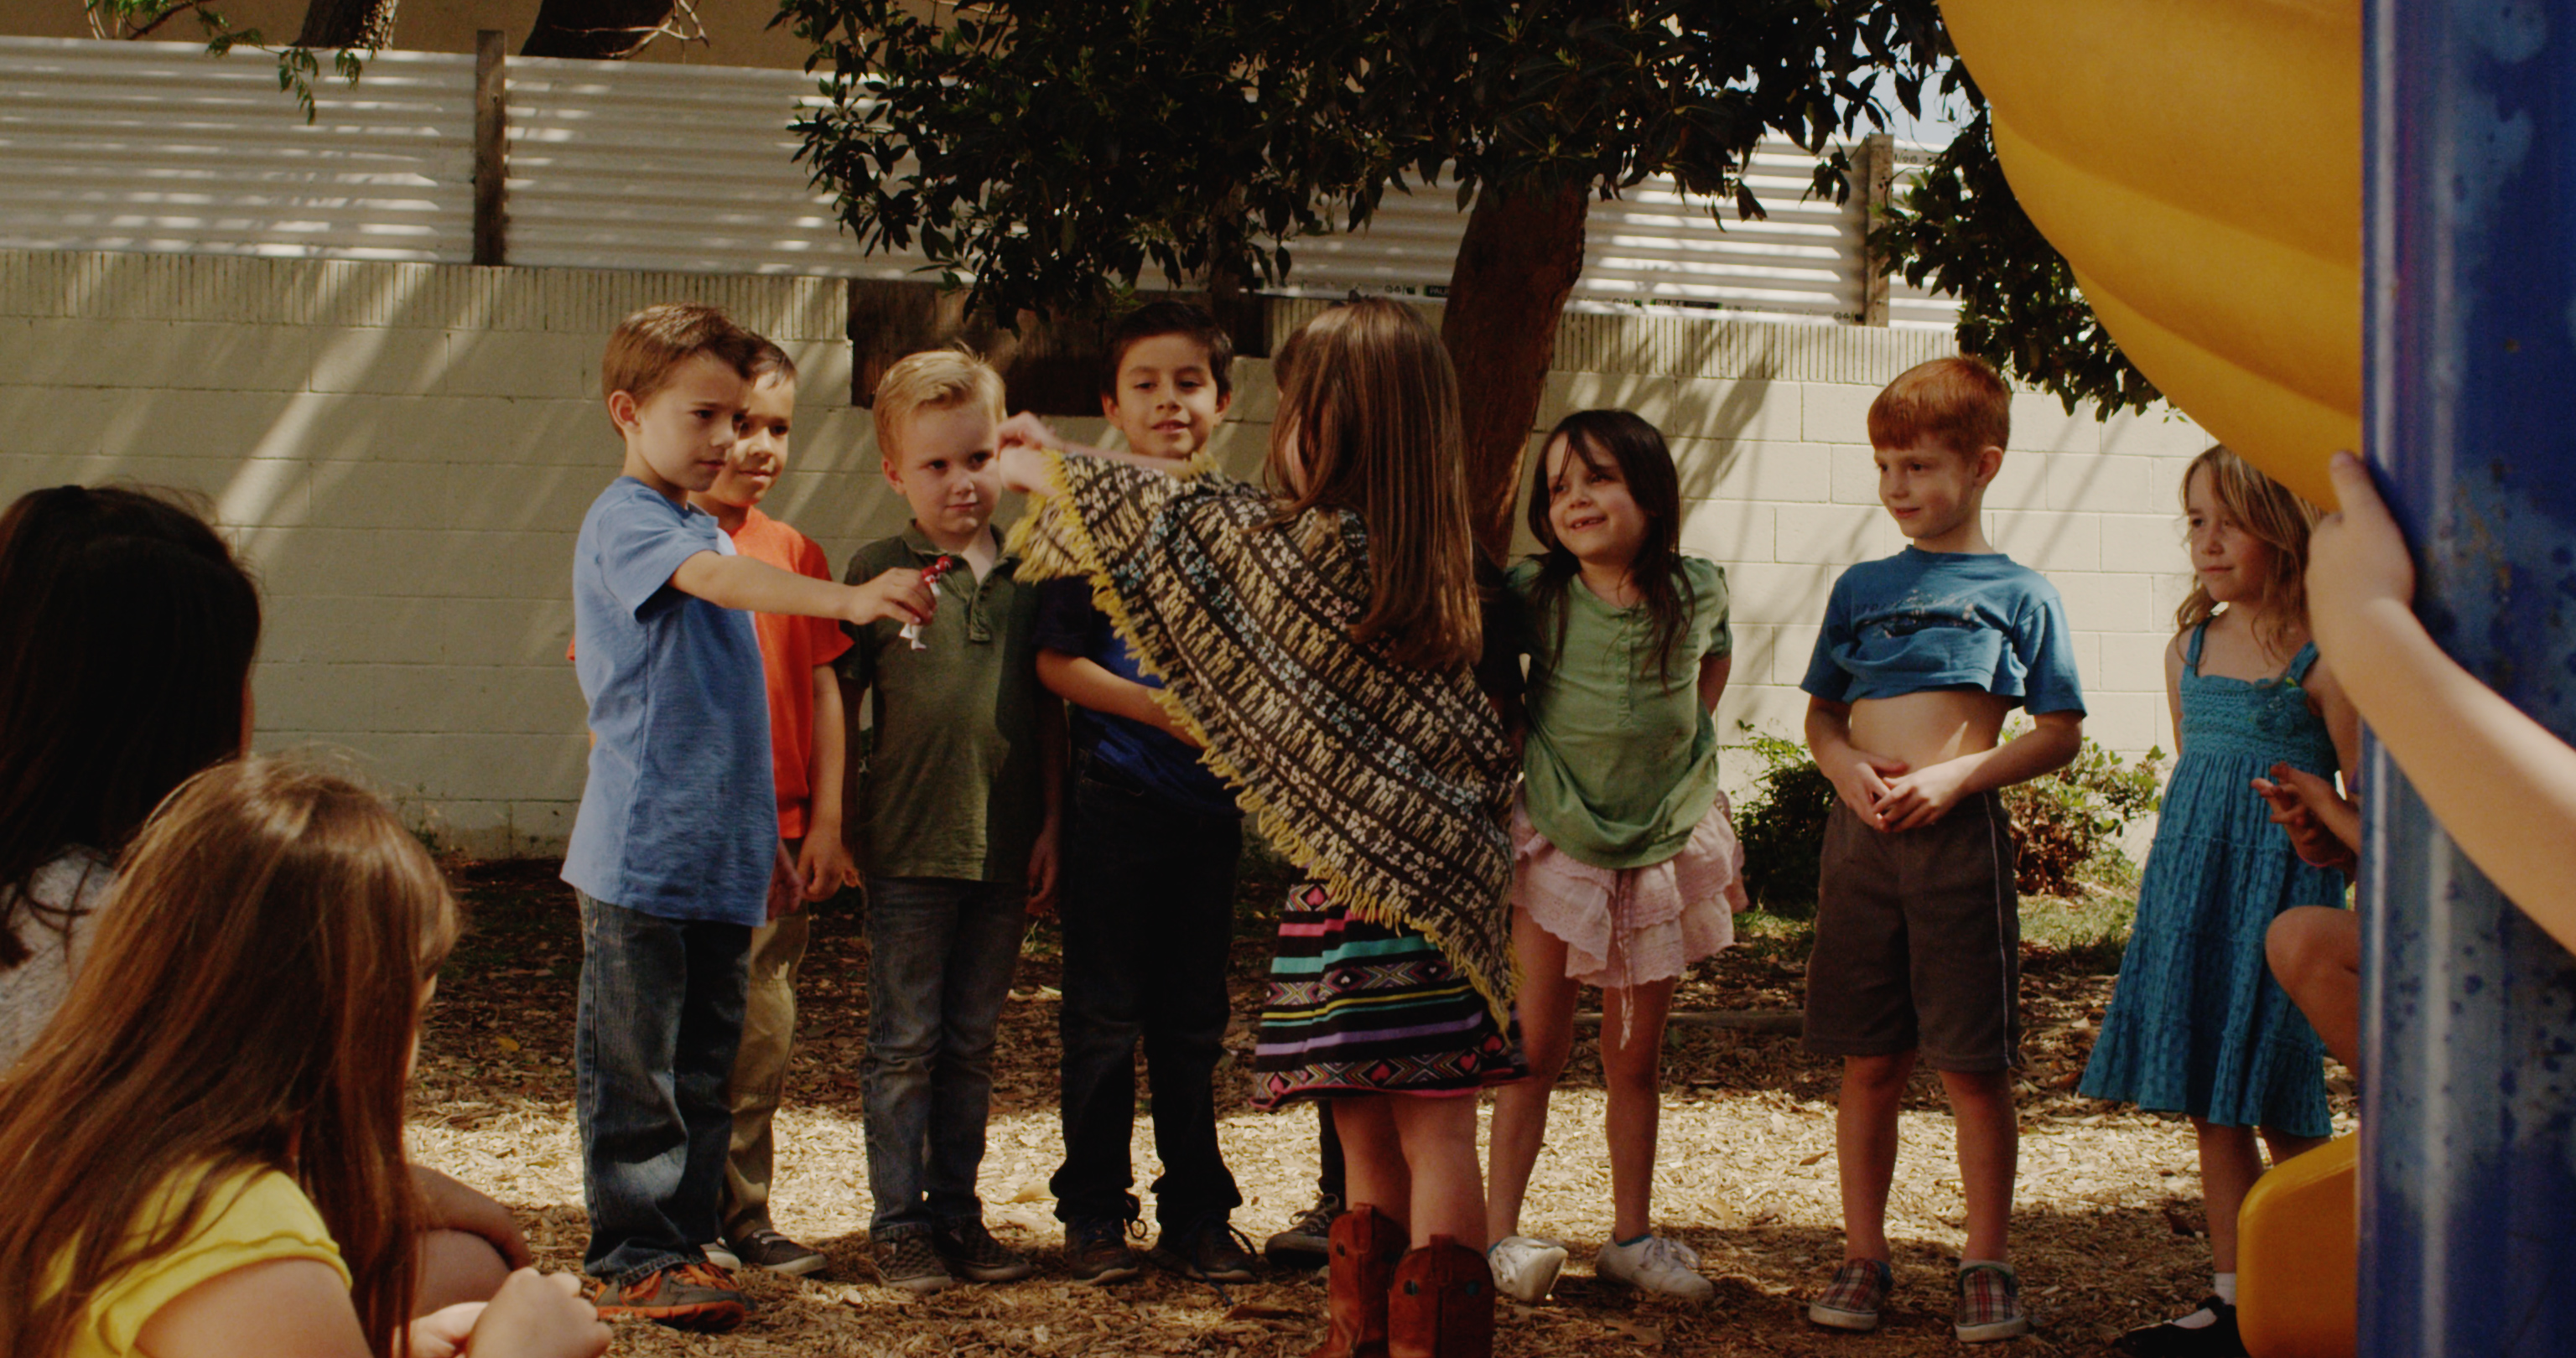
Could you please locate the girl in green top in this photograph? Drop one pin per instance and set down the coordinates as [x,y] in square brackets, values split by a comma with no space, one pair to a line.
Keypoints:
[1626,866]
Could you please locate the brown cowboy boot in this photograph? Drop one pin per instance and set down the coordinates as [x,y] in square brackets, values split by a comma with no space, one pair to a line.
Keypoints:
[1365,1244]
[1442,1305]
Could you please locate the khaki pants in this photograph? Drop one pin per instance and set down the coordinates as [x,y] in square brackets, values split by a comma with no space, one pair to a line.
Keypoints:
[760,1070]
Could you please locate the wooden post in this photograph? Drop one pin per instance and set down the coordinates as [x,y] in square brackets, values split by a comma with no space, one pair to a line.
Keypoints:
[1878,180]
[491,146]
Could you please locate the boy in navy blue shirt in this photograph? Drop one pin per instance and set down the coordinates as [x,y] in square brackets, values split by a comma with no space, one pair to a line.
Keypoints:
[1148,894]
[675,854]
[1917,947]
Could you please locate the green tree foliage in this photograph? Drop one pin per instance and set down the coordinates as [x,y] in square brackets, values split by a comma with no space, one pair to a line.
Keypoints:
[1959,231]
[369,26]
[1048,150]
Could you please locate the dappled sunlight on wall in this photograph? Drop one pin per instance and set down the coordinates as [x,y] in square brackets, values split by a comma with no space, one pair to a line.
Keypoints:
[405,452]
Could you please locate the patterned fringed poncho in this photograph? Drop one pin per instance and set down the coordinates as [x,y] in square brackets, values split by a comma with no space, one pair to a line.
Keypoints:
[1386,782]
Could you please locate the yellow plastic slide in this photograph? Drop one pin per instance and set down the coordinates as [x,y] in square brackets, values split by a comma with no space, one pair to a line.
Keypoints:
[2296,1264]
[2198,162]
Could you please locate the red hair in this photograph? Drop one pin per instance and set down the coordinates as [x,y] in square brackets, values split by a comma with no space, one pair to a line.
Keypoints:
[1959,402]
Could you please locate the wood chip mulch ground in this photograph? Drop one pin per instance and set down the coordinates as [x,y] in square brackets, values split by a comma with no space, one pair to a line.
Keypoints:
[2107,1226]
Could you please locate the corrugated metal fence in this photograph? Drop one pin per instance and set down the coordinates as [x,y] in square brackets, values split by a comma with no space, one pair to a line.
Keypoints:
[157,146]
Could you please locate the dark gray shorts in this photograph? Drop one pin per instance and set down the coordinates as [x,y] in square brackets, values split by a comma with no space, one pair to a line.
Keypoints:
[1918,941]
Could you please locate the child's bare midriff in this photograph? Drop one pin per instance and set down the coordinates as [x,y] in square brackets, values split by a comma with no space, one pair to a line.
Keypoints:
[1929,726]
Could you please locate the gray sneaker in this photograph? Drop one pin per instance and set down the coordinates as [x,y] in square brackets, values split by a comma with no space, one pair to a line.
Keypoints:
[767,1249]
[972,1253]
[907,1262]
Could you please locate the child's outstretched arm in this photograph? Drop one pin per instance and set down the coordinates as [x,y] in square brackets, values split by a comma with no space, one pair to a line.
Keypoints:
[2502,784]
[898,595]
[1087,683]
[1025,440]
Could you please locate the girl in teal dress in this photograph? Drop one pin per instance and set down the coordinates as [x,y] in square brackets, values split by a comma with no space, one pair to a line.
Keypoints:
[2198,1025]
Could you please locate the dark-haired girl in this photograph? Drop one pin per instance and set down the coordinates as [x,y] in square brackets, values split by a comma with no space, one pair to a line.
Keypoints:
[126,636]
[126,633]
[1627,867]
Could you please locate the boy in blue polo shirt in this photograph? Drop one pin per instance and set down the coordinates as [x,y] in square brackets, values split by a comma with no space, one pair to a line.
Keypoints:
[675,853]
[1148,904]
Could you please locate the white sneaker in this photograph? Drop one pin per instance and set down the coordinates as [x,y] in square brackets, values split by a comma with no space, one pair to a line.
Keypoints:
[1524,1268]
[721,1257]
[1654,1264]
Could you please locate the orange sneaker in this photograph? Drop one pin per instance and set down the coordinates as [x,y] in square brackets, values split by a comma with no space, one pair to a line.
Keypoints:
[683,1296]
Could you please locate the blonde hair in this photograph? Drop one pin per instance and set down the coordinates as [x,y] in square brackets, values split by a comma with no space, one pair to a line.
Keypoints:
[2275,517]
[1959,402]
[648,346]
[1367,396]
[934,379]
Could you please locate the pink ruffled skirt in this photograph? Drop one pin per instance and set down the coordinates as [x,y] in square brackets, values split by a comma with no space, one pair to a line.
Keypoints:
[1630,926]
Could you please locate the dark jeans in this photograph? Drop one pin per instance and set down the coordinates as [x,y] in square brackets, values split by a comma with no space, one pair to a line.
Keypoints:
[660,1017]
[1148,911]
[940,957]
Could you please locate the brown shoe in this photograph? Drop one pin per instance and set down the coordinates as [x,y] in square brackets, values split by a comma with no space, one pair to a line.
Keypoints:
[1365,1246]
[1442,1304]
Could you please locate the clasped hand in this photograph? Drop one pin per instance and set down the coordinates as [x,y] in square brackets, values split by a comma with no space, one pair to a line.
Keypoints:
[1887,794]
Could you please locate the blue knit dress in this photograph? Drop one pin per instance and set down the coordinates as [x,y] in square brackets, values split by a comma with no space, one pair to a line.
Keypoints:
[2197,1024]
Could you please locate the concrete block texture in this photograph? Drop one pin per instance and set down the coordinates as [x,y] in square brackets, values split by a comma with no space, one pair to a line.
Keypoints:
[403,454]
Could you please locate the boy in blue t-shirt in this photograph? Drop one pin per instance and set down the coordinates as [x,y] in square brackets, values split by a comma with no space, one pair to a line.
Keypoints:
[675,854]
[1918,936]
[1148,893]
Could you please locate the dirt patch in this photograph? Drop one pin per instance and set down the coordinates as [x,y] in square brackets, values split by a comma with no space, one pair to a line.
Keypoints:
[2106,1230]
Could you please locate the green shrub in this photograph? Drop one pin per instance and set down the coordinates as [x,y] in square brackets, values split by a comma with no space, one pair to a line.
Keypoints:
[2066,825]
[1782,825]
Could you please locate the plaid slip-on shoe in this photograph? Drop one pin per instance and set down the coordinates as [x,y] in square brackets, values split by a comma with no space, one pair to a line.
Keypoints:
[691,1296]
[1989,1304]
[971,1252]
[1855,1297]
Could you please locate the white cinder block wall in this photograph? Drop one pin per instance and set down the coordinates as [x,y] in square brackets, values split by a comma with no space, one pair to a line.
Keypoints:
[404,452]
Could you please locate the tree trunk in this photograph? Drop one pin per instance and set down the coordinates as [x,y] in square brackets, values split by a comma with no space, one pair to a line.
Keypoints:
[1516,266]
[599,30]
[364,24]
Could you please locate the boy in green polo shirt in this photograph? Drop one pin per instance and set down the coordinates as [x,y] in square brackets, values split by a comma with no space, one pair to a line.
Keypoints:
[953,823]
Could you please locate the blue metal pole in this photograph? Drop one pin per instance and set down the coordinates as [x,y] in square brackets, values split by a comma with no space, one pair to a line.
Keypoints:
[2468,1211]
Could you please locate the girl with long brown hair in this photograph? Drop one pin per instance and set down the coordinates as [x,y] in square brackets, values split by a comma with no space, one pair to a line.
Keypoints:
[1318,641]
[204,1150]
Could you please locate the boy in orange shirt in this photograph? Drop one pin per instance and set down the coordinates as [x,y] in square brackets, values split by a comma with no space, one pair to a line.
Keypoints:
[808,744]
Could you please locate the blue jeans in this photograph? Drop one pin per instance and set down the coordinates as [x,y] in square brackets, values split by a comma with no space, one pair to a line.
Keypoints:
[941,953]
[1148,929]
[660,1017]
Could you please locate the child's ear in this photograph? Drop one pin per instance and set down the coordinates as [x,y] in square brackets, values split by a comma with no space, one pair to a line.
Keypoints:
[622,411]
[893,476]
[1109,405]
[1990,464]
[1224,402]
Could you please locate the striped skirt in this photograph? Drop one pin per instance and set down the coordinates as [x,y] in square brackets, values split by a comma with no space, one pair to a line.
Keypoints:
[1357,1008]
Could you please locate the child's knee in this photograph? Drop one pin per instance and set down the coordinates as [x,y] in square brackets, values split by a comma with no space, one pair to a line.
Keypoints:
[1877,1074]
[2296,943]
